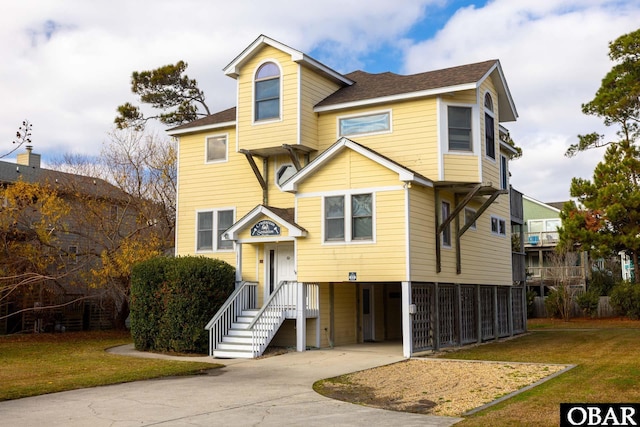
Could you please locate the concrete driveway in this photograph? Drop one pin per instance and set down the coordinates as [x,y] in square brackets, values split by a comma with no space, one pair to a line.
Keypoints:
[274,391]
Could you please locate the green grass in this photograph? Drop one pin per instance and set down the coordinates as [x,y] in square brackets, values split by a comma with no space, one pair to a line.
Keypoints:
[46,363]
[608,369]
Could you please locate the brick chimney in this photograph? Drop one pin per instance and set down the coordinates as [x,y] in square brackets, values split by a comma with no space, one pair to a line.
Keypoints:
[29,158]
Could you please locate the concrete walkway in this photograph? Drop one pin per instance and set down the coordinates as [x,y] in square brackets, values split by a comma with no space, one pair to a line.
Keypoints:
[273,391]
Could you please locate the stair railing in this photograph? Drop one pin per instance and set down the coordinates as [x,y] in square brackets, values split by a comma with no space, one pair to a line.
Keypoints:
[243,298]
[280,305]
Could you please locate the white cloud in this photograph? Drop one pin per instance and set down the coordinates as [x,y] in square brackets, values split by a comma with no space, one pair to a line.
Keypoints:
[554,55]
[67,64]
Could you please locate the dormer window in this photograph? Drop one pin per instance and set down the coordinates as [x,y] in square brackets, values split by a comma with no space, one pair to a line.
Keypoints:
[489,127]
[267,92]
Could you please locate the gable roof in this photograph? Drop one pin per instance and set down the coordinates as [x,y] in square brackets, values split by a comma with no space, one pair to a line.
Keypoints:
[384,87]
[233,69]
[284,216]
[404,174]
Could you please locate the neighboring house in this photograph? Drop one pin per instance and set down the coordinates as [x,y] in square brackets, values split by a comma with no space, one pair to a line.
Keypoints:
[541,238]
[80,306]
[355,207]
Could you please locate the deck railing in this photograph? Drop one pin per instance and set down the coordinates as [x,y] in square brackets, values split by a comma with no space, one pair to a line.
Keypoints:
[243,298]
[541,238]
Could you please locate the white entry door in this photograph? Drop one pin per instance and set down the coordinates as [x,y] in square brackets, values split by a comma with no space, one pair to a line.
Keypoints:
[280,265]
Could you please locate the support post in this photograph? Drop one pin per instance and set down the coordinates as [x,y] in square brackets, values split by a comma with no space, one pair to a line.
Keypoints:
[407,321]
[301,318]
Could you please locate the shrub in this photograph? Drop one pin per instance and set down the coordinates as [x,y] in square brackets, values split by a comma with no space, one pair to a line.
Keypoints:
[174,298]
[552,303]
[625,299]
[602,282]
[588,302]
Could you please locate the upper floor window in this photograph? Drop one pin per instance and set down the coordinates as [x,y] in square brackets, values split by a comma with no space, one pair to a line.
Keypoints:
[347,222]
[267,92]
[459,125]
[489,127]
[213,223]
[364,124]
[216,148]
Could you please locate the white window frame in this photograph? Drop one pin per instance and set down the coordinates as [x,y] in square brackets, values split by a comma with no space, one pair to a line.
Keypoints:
[490,113]
[214,231]
[348,219]
[206,148]
[275,175]
[473,212]
[339,120]
[502,231]
[444,129]
[253,94]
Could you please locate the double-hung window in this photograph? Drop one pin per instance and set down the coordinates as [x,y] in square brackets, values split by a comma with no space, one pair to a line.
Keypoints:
[504,172]
[267,92]
[210,227]
[216,149]
[348,218]
[459,126]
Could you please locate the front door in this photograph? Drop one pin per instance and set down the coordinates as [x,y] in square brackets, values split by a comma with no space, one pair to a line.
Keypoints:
[280,265]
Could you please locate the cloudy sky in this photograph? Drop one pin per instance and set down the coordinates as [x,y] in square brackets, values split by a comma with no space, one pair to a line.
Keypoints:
[66,64]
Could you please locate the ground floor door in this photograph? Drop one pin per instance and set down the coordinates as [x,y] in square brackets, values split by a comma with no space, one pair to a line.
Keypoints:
[279,265]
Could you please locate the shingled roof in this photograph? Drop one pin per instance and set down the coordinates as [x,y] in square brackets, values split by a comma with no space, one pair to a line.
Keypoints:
[368,86]
[225,116]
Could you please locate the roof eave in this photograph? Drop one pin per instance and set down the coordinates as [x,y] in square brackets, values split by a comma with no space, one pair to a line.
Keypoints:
[397,97]
[179,132]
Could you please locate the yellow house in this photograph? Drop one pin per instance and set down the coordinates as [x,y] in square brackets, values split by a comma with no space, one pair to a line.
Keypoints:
[357,207]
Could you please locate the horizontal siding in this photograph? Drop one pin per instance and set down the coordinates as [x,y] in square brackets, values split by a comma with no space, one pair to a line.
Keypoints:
[314,89]
[412,142]
[263,135]
[461,168]
[381,260]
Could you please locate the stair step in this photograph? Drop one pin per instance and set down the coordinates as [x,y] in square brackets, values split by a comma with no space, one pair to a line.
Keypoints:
[240,325]
[253,312]
[238,339]
[231,354]
[245,319]
[235,346]
[239,333]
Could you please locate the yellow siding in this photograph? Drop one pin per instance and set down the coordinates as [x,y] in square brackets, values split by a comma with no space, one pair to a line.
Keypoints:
[314,89]
[422,234]
[413,141]
[268,134]
[381,260]
[461,168]
[211,186]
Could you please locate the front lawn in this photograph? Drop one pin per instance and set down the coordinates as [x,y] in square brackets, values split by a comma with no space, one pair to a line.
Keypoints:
[45,363]
[606,352]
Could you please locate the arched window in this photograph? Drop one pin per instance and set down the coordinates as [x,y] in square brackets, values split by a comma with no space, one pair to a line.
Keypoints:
[489,127]
[267,92]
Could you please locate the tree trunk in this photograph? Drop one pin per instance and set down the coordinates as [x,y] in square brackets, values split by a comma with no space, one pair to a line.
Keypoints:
[121,315]
[636,268]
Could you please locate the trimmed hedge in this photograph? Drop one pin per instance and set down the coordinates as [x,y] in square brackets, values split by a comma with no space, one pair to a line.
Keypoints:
[172,299]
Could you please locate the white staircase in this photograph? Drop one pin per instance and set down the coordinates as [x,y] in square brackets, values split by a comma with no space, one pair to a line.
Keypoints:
[240,331]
